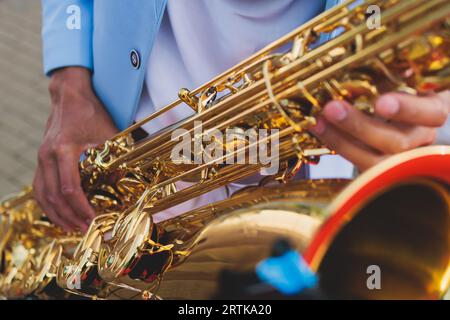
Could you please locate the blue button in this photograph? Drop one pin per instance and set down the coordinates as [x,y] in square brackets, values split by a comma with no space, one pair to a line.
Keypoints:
[135,59]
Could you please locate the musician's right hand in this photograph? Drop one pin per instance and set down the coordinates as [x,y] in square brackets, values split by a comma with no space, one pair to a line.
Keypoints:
[77,121]
[402,122]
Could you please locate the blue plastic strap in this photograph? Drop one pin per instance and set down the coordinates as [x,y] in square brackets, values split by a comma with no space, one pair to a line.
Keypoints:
[288,273]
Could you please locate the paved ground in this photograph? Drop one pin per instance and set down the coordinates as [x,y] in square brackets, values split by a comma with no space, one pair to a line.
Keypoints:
[24,103]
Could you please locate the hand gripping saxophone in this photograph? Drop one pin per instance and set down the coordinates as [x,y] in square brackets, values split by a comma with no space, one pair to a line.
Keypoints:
[395,216]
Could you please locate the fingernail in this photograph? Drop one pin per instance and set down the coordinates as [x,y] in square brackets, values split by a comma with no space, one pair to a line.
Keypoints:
[387,106]
[335,111]
[319,128]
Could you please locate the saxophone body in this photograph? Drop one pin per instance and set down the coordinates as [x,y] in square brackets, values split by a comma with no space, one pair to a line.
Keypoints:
[396,215]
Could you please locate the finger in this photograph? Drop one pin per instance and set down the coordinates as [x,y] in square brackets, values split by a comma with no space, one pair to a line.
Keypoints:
[69,177]
[54,196]
[388,138]
[343,144]
[429,111]
[38,190]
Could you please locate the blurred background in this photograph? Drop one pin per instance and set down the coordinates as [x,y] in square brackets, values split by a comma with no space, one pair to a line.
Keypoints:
[24,102]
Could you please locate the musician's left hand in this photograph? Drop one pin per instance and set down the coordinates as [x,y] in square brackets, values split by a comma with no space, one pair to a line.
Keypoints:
[401,122]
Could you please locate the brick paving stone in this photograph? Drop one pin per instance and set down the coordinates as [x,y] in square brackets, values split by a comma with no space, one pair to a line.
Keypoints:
[24,101]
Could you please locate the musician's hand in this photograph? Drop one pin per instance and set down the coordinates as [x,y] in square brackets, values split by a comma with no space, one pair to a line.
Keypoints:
[77,121]
[402,122]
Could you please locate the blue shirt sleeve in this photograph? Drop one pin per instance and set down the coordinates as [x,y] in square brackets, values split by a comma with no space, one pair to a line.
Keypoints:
[64,45]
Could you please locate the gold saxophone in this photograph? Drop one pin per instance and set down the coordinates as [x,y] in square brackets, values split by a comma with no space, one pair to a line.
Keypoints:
[396,215]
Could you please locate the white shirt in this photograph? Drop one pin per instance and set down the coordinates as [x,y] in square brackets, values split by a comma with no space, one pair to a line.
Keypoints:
[200,39]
